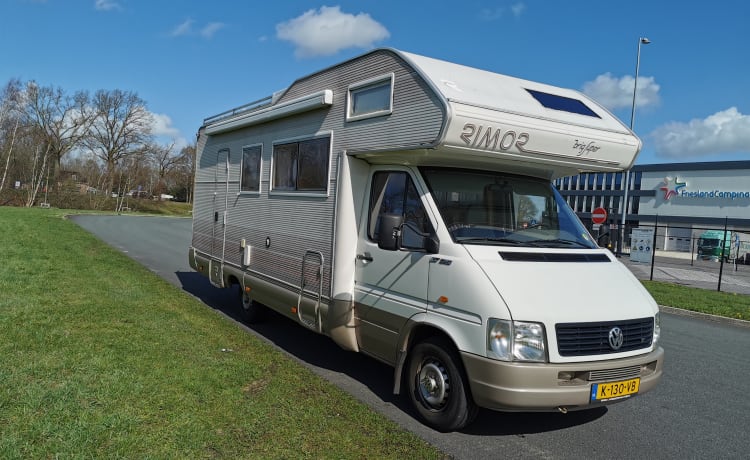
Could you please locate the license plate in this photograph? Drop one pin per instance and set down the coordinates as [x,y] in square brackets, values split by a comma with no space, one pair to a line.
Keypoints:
[614,390]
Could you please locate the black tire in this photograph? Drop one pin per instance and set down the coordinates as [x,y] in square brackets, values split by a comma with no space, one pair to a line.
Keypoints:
[251,311]
[437,386]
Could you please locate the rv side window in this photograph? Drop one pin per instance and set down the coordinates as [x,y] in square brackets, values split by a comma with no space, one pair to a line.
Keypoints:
[394,193]
[370,98]
[301,166]
[250,175]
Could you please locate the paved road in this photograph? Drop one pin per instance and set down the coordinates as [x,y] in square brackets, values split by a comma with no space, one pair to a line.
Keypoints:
[701,409]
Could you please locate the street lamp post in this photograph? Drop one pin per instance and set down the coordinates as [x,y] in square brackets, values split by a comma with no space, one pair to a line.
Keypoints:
[626,181]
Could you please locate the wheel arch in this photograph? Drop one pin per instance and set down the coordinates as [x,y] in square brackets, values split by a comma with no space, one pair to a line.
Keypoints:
[419,330]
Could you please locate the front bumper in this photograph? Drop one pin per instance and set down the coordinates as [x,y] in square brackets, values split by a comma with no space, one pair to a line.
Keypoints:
[505,386]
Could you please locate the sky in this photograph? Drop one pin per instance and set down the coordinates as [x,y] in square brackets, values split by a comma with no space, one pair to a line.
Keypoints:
[192,59]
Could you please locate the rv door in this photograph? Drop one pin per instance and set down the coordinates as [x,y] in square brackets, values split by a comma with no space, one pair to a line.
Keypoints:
[220,203]
[392,264]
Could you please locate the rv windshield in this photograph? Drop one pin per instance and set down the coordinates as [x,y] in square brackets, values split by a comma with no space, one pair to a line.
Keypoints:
[484,207]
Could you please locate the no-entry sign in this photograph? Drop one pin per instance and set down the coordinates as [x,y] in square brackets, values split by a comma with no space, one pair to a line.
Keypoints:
[599,216]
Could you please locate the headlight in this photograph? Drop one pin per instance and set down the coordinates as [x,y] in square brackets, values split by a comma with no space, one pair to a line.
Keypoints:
[516,341]
[498,339]
[657,328]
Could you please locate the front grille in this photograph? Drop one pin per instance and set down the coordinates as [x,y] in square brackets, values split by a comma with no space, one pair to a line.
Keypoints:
[584,339]
[623,373]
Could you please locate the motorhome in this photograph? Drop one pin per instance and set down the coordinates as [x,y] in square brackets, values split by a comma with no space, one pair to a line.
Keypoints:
[403,206]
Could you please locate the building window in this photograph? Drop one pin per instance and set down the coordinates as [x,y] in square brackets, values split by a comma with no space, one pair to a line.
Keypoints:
[370,98]
[301,166]
[251,165]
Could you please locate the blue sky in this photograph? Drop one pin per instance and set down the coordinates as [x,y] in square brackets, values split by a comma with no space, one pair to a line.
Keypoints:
[192,59]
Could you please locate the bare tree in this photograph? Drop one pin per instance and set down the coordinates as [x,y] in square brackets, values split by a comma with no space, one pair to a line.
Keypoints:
[121,128]
[183,173]
[11,100]
[165,161]
[62,120]
[39,167]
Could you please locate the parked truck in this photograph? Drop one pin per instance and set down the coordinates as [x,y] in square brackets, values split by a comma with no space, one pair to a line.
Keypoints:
[403,206]
[731,246]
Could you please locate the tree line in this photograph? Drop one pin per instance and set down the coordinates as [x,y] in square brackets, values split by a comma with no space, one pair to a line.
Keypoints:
[55,145]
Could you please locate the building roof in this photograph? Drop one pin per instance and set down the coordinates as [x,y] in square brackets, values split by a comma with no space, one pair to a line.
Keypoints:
[695,166]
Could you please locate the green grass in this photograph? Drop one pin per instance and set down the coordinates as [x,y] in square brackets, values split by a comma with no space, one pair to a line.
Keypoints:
[101,358]
[725,304]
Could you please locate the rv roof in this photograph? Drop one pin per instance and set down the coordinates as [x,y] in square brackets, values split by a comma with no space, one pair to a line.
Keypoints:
[482,88]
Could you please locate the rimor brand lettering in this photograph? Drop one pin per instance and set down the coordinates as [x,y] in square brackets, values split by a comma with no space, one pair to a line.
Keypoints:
[489,138]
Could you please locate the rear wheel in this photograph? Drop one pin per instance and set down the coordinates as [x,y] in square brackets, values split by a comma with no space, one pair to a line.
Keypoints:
[437,386]
[250,310]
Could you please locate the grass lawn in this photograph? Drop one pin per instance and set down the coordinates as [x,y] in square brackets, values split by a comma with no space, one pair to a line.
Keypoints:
[101,358]
[725,304]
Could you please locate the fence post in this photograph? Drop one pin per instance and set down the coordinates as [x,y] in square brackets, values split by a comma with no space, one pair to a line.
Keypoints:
[653,246]
[721,252]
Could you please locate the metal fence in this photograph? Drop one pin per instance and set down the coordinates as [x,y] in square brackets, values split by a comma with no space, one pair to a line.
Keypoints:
[691,256]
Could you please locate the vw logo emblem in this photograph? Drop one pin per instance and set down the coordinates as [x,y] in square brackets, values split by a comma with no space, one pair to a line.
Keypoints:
[616,338]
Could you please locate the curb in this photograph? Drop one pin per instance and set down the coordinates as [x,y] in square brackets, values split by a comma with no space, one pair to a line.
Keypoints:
[705,316]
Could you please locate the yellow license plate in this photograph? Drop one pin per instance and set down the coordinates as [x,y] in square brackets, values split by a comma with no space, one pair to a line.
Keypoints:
[614,390]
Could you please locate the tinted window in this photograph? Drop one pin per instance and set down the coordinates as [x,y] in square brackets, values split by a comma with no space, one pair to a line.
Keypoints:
[250,179]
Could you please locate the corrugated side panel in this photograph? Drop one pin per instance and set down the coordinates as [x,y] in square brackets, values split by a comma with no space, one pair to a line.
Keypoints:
[417,113]
[203,216]
[295,224]
[292,224]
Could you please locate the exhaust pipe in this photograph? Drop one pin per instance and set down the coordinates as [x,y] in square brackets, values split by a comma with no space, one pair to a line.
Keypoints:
[563,410]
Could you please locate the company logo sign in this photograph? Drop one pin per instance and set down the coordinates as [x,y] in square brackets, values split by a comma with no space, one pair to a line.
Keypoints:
[674,187]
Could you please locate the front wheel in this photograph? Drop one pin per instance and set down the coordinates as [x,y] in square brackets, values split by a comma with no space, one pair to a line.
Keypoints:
[251,311]
[437,386]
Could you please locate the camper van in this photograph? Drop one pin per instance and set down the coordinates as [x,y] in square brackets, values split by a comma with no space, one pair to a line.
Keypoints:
[403,206]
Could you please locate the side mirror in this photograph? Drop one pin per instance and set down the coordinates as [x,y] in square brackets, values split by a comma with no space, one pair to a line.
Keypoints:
[389,237]
[413,239]
[432,244]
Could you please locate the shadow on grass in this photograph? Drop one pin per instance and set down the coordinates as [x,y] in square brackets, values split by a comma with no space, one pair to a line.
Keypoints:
[321,353]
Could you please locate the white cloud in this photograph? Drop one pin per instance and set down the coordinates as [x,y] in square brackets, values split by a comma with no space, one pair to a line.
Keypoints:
[727,131]
[186,28]
[107,5]
[517,9]
[161,125]
[328,31]
[165,132]
[493,14]
[211,28]
[616,93]
[183,29]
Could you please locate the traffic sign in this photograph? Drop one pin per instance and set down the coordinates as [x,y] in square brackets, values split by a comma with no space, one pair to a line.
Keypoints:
[599,216]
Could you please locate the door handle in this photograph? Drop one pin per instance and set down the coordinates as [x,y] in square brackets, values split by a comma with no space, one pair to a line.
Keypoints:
[366,257]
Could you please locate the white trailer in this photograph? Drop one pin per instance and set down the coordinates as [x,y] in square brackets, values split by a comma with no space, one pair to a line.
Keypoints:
[403,206]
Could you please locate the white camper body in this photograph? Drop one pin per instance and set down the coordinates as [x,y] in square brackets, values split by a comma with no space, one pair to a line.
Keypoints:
[402,206]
